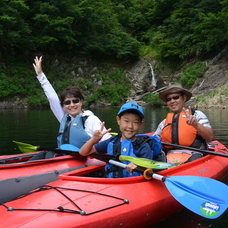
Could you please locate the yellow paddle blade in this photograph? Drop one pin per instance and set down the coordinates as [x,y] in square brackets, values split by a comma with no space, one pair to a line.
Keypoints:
[25,148]
[144,162]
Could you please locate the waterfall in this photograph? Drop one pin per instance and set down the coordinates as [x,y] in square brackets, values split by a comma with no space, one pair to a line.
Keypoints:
[153,79]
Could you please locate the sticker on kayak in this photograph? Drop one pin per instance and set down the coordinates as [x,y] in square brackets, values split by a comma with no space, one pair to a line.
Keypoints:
[164,165]
[210,209]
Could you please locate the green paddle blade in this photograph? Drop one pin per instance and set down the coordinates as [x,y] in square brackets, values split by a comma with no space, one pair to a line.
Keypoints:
[26,148]
[144,162]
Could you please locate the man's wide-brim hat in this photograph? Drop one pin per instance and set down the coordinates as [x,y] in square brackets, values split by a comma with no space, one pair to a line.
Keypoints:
[174,88]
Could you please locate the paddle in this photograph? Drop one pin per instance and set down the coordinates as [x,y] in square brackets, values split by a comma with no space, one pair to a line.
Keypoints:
[74,151]
[26,148]
[71,149]
[195,149]
[203,196]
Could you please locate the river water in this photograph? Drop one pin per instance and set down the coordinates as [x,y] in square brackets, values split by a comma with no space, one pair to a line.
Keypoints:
[40,127]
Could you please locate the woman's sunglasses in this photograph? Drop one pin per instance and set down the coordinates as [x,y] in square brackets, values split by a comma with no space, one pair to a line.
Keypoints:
[173,98]
[74,101]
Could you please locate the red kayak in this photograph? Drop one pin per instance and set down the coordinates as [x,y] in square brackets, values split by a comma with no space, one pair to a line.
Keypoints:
[19,175]
[80,200]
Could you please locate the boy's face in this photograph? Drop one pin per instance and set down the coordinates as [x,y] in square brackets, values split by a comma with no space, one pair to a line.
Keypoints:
[129,125]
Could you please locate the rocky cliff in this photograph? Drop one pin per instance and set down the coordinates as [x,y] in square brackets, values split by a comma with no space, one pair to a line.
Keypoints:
[146,77]
[209,91]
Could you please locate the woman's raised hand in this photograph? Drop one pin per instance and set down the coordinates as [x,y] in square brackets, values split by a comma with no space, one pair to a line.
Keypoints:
[38,65]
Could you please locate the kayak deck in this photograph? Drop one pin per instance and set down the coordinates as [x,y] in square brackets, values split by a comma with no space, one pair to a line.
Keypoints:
[17,178]
[78,200]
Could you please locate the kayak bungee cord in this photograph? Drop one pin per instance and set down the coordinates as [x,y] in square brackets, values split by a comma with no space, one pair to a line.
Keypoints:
[61,208]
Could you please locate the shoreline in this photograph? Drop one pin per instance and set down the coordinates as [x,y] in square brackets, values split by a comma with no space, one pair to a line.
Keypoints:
[20,104]
[209,103]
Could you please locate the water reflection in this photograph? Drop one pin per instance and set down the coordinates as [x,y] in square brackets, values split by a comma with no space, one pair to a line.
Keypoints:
[40,127]
[152,118]
[218,119]
[219,122]
[37,127]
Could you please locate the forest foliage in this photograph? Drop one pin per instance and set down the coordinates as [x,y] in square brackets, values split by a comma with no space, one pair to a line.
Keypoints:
[173,30]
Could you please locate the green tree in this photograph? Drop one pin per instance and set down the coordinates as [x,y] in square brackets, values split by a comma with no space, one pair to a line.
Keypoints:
[14,29]
[66,27]
[193,28]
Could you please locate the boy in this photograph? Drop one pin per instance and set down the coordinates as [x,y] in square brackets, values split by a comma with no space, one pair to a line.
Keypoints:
[130,119]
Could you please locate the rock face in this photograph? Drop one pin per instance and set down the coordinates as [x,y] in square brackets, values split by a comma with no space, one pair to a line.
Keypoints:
[146,77]
[14,104]
[215,80]
[215,77]
[213,87]
[143,79]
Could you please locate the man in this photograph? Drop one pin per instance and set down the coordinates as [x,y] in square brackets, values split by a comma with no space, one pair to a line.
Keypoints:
[186,127]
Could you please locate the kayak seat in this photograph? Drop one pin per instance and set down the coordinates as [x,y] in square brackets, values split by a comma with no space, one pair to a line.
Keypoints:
[194,157]
[161,157]
[44,155]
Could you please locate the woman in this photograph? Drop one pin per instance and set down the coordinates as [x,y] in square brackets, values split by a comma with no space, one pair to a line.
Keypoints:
[76,125]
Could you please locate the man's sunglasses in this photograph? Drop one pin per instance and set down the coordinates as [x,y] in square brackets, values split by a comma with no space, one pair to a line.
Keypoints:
[173,98]
[74,101]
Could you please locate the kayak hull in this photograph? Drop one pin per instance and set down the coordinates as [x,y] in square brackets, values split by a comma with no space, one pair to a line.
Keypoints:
[18,175]
[77,200]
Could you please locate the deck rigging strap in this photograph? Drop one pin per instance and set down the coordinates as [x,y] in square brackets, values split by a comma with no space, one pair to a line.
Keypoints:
[62,209]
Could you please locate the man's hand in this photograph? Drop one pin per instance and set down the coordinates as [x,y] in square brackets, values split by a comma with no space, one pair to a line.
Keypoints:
[191,120]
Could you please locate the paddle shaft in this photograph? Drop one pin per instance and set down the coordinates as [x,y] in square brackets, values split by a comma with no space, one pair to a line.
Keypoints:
[195,149]
[122,165]
[148,173]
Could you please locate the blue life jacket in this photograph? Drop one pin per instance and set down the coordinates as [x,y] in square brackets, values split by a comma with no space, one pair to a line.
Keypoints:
[72,132]
[127,147]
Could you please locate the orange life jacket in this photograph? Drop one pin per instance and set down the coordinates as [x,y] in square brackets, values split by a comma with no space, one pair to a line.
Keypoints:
[177,131]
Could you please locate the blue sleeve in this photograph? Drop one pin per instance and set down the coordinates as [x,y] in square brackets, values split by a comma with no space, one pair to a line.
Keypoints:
[101,147]
[144,152]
